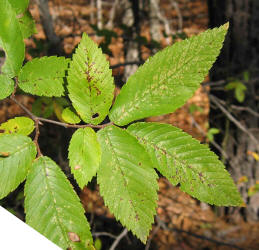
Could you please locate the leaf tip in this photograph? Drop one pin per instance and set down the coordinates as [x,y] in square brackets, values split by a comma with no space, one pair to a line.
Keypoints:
[226,26]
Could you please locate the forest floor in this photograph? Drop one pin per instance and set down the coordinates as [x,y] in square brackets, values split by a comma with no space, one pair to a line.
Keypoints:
[182,222]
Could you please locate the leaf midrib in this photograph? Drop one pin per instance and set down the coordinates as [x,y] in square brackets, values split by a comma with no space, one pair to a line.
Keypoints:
[54,204]
[172,155]
[121,171]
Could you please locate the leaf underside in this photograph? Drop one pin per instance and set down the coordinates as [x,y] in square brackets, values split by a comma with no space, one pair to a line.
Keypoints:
[90,82]
[17,125]
[53,208]
[11,40]
[6,86]
[168,79]
[183,160]
[16,155]
[84,155]
[44,76]
[127,180]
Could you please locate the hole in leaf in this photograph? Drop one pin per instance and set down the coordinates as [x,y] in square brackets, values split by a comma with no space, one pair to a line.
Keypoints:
[95,115]
[2,58]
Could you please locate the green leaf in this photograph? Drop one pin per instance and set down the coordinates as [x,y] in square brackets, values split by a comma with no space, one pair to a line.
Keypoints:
[211,132]
[84,155]
[239,88]
[53,208]
[27,24]
[193,108]
[17,125]
[168,79]
[240,92]
[19,5]
[16,155]
[127,180]
[11,40]
[182,159]
[246,76]
[69,116]
[231,85]
[44,76]
[6,86]
[90,82]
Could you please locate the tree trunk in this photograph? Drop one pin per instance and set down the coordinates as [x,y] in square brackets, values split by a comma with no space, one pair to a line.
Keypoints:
[240,53]
[47,22]
[48,27]
[132,50]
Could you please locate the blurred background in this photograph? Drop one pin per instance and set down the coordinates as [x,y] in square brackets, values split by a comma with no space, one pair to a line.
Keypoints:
[223,113]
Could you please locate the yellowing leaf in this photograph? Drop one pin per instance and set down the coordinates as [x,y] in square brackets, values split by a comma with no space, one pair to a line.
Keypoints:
[16,156]
[253,190]
[242,179]
[18,125]
[69,116]
[254,155]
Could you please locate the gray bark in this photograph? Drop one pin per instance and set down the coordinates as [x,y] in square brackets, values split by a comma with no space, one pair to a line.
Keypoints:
[132,50]
[154,20]
[47,22]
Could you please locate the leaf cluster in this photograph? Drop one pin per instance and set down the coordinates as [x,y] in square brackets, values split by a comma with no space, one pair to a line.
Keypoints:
[124,158]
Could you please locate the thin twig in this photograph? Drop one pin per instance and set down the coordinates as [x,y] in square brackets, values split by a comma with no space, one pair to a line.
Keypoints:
[125,64]
[104,234]
[23,107]
[15,87]
[36,138]
[216,145]
[118,239]
[216,83]
[66,125]
[216,101]
[154,232]
[247,109]
[109,25]
[180,18]
[38,121]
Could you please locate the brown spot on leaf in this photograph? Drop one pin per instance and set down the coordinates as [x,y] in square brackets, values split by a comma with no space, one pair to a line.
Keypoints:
[2,130]
[73,237]
[4,154]
[139,163]
[77,167]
